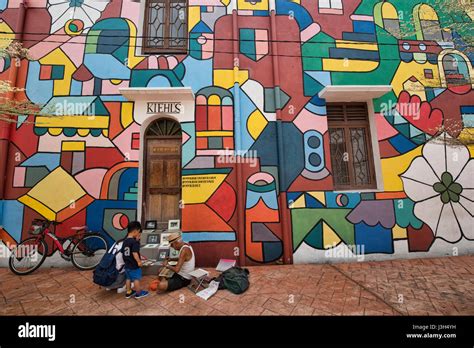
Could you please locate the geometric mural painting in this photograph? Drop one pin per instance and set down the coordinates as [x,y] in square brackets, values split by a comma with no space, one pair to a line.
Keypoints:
[260,172]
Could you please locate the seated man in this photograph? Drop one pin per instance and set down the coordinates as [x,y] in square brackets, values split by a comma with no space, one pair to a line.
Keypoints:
[186,264]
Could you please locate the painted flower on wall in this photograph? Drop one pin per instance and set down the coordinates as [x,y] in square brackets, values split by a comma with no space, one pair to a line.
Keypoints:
[440,182]
[87,11]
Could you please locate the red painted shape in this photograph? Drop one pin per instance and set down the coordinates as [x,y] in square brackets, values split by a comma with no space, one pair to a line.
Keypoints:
[421,239]
[223,201]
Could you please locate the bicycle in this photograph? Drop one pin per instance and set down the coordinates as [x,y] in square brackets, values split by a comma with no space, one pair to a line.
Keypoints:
[84,249]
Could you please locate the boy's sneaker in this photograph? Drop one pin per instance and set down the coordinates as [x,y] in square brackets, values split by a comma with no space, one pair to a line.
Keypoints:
[141,294]
[130,294]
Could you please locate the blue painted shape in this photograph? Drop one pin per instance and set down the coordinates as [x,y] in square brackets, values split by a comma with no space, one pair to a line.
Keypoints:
[198,73]
[301,15]
[353,199]
[315,237]
[76,88]
[265,146]
[50,160]
[467,109]
[313,146]
[359,37]
[12,220]
[106,66]
[127,179]
[269,198]
[159,81]
[401,143]
[366,27]
[38,91]
[3,4]
[208,236]
[247,107]
[312,202]
[293,154]
[293,196]
[272,251]
[323,77]
[353,54]
[95,214]
[20,119]
[189,147]
[201,28]
[375,239]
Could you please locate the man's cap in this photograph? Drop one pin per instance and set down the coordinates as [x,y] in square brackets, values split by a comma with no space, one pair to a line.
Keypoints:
[174,236]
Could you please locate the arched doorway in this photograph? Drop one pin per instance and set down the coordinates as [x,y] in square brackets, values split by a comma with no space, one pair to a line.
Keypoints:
[162,172]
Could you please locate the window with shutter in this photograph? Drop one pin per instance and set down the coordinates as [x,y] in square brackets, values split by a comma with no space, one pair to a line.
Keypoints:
[350,146]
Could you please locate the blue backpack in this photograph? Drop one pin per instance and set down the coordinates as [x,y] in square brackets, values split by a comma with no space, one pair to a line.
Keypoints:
[106,272]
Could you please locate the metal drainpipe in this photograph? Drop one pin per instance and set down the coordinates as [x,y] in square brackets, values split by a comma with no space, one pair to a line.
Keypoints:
[286,235]
[5,127]
[238,138]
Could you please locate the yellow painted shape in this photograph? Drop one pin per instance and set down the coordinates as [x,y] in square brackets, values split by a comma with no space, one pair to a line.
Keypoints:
[415,88]
[58,57]
[330,64]
[427,13]
[54,131]
[225,78]
[407,70]
[199,187]
[256,123]
[358,45]
[214,100]
[393,167]
[319,196]
[194,16]
[389,11]
[215,134]
[57,190]
[225,2]
[256,6]
[299,203]
[126,116]
[116,82]
[83,132]
[8,37]
[133,60]
[399,232]
[330,238]
[73,145]
[38,207]
[73,121]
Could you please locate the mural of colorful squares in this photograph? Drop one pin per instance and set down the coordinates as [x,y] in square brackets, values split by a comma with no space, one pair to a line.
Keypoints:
[272,170]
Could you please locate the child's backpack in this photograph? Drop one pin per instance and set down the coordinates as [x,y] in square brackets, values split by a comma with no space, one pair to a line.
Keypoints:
[106,271]
[235,279]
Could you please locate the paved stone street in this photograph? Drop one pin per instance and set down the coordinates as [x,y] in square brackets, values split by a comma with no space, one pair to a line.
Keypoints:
[439,286]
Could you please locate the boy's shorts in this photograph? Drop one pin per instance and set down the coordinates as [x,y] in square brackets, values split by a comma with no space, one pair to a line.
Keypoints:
[133,274]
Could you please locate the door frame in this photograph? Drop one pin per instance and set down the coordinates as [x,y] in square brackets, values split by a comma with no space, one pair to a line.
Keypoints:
[142,162]
[145,158]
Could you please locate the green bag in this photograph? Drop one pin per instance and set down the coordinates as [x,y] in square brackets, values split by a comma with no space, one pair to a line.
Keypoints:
[235,279]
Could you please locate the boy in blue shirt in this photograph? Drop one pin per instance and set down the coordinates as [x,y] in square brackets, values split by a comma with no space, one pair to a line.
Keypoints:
[133,263]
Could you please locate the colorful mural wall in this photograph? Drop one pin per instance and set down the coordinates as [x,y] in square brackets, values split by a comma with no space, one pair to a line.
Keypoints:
[274,201]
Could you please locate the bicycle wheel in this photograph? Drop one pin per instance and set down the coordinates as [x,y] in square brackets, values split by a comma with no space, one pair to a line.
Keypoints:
[28,256]
[88,251]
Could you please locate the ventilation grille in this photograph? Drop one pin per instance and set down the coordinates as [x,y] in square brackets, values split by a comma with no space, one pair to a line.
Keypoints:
[354,112]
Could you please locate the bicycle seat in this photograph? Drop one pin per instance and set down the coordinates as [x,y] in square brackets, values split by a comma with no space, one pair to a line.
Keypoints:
[79,228]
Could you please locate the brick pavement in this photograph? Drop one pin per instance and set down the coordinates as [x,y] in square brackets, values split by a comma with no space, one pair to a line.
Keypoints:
[438,286]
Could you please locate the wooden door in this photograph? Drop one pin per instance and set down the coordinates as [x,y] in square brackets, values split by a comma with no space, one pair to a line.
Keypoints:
[162,179]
